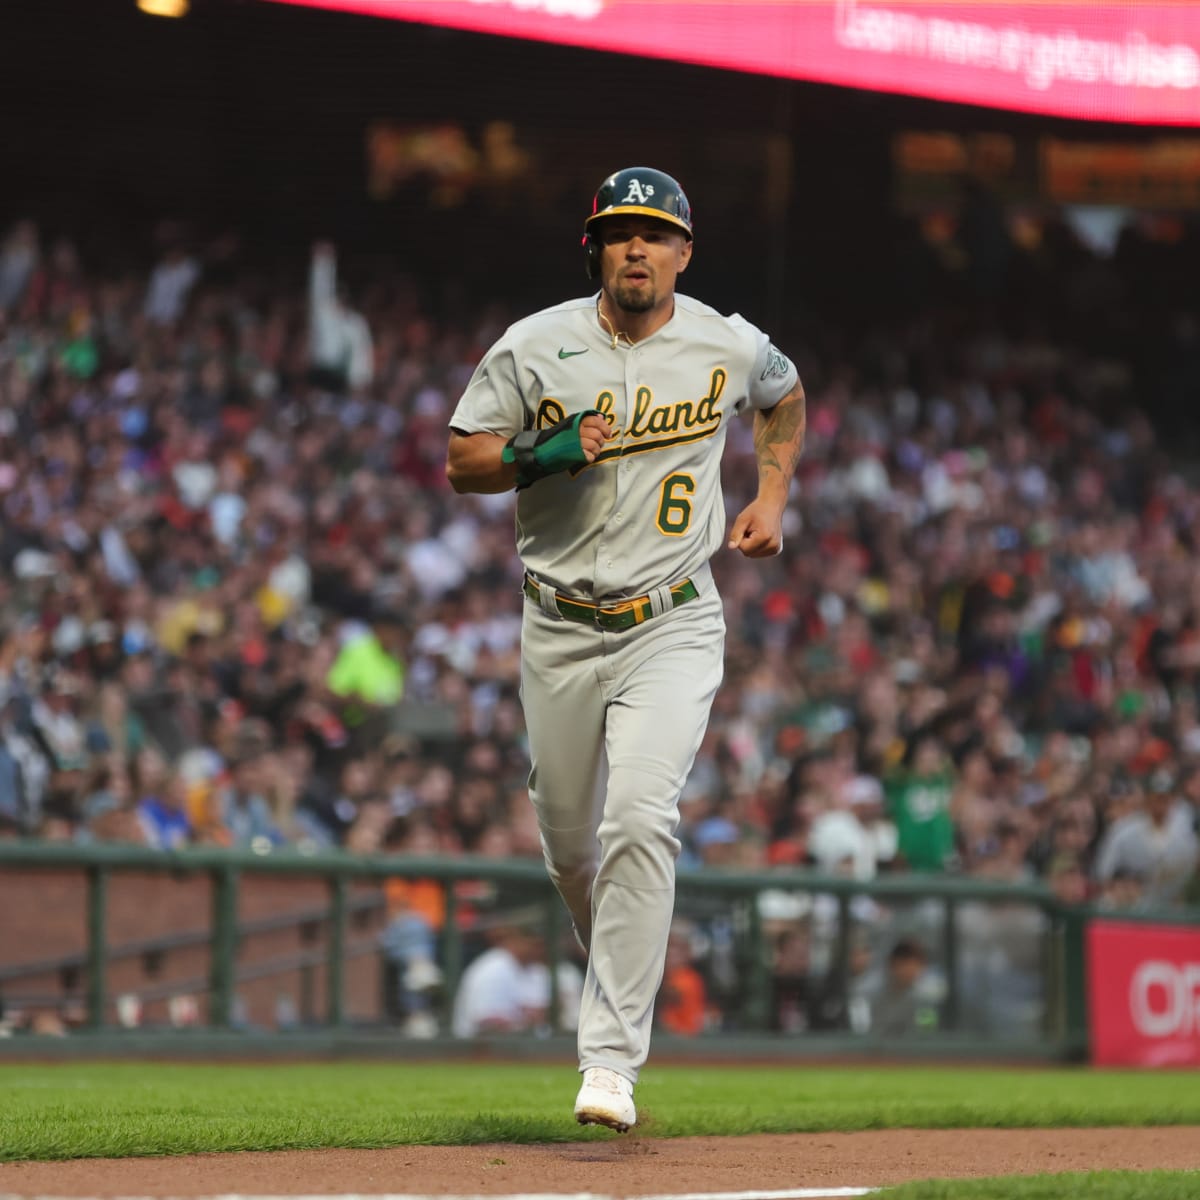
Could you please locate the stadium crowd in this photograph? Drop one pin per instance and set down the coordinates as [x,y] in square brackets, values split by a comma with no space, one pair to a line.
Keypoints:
[240,606]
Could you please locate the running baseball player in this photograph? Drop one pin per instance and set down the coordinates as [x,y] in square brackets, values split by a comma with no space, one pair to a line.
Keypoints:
[608,414]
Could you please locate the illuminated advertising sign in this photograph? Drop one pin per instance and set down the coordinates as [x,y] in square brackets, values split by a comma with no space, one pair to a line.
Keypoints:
[1135,62]
[1144,994]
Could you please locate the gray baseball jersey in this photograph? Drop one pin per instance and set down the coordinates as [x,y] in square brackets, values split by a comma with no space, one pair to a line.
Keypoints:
[649,511]
[615,718]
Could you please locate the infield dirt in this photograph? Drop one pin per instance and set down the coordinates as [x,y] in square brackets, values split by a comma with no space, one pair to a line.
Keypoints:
[633,1165]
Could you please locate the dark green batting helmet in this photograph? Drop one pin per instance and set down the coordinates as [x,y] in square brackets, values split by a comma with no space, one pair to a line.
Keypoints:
[639,191]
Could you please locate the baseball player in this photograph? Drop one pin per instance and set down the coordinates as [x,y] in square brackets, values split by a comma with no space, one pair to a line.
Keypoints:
[608,415]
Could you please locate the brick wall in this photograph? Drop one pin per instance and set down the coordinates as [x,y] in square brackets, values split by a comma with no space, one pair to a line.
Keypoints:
[43,915]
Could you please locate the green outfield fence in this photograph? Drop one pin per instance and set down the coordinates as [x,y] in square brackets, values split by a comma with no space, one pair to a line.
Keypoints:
[971,925]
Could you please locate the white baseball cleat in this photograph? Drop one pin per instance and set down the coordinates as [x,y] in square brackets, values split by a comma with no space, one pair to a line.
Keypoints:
[605,1098]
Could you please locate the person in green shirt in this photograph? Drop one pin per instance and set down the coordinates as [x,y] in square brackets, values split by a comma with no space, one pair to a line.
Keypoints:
[918,798]
[368,674]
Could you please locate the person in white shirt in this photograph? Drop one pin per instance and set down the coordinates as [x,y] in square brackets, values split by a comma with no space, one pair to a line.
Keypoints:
[1156,843]
[341,351]
[507,988]
[170,285]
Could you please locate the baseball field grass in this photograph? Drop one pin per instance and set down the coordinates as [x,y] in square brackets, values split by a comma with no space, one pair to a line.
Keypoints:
[1096,1185]
[113,1110]
[123,1109]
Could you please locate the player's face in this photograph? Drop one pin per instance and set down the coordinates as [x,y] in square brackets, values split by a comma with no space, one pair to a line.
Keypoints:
[640,259]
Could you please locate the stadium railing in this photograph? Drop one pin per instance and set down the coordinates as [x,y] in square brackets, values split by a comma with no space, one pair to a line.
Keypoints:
[968,924]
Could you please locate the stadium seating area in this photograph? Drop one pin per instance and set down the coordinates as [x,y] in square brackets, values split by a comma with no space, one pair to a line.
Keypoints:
[239,605]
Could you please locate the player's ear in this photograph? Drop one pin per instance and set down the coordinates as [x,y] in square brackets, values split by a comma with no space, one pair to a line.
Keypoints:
[685,256]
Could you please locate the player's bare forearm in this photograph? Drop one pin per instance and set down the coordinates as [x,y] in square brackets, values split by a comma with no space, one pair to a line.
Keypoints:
[778,440]
[474,463]
[778,444]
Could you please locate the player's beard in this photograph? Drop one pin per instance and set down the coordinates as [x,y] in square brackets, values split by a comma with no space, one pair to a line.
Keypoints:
[635,299]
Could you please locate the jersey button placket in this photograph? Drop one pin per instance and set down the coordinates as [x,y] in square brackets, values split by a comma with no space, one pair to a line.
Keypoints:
[605,581]
[621,477]
[625,475]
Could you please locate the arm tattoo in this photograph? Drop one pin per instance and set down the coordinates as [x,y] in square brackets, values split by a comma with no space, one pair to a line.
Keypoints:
[779,434]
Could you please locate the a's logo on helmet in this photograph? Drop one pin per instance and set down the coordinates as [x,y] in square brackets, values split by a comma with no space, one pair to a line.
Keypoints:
[638,194]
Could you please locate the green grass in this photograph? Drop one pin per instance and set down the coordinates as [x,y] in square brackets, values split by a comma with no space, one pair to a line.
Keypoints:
[125,1109]
[1094,1185]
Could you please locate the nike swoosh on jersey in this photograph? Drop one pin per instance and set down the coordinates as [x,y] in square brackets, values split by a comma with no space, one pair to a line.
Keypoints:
[570,353]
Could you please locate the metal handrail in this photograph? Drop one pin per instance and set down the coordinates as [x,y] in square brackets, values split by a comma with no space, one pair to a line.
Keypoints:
[187,940]
[279,964]
[226,866]
[289,861]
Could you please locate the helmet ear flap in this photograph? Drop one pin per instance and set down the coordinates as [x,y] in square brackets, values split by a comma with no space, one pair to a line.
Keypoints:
[591,255]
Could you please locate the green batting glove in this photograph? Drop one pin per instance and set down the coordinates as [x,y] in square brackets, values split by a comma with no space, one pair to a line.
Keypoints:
[542,452]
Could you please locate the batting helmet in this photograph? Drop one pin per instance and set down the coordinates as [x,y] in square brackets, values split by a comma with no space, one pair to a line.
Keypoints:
[641,191]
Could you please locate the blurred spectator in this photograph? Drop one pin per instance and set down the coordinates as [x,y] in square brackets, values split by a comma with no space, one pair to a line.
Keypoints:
[109,811]
[245,813]
[341,352]
[792,992]
[163,809]
[1068,880]
[1002,951]
[919,798]
[368,673]
[1122,891]
[327,815]
[840,845]
[24,769]
[716,842]
[416,911]
[682,1005]
[841,1000]
[18,261]
[1155,844]
[57,290]
[507,988]
[171,282]
[56,721]
[905,999]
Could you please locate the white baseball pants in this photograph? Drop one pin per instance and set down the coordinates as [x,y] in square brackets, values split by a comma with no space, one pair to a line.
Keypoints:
[615,721]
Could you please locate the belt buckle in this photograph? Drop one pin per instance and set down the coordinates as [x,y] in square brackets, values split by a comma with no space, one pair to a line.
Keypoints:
[616,615]
[609,619]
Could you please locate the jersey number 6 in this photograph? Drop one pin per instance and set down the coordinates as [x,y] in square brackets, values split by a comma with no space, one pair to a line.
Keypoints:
[674,507]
